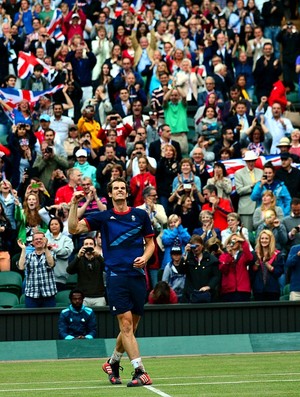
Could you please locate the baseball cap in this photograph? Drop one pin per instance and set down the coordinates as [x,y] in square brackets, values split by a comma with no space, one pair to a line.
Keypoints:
[75,16]
[45,117]
[81,153]
[176,250]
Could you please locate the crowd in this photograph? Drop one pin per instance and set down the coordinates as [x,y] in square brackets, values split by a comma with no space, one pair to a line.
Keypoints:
[130,73]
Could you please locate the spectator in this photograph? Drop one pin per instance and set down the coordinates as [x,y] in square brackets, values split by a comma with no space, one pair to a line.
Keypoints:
[202,273]
[84,167]
[267,269]
[272,13]
[88,123]
[171,273]
[257,138]
[156,148]
[207,229]
[268,182]
[234,263]
[221,181]
[162,294]
[91,203]
[234,227]
[219,207]
[139,149]
[37,82]
[60,123]
[40,288]
[272,223]
[292,223]
[295,142]
[61,247]
[268,202]
[88,264]
[65,193]
[245,179]
[140,181]
[175,234]
[77,321]
[289,175]
[293,267]
[255,46]
[5,240]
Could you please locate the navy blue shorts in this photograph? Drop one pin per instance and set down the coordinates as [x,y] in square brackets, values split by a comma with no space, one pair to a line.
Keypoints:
[126,293]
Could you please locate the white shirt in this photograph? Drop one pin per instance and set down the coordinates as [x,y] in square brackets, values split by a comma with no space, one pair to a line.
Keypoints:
[61,127]
[135,166]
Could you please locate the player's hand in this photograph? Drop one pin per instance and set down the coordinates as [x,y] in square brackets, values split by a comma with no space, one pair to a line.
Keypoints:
[139,262]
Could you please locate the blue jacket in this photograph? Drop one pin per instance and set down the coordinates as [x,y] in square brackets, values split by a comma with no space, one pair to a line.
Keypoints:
[72,323]
[293,263]
[168,238]
[283,197]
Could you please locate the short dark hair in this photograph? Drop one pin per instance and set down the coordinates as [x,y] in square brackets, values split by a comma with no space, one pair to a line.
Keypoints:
[38,68]
[55,218]
[211,189]
[269,165]
[119,179]
[140,143]
[89,238]
[76,291]
[295,201]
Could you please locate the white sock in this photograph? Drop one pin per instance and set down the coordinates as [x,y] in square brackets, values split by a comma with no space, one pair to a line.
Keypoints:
[115,357]
[137,363]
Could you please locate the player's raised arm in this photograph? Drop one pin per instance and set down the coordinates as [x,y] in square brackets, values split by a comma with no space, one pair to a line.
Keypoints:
[76,226]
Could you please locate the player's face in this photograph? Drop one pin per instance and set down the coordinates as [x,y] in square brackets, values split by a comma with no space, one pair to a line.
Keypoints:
[118,191]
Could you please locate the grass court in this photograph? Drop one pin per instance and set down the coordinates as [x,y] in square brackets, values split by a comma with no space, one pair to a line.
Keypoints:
[246,375]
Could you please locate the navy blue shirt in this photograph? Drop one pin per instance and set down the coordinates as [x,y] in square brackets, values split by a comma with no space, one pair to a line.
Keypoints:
[122,238]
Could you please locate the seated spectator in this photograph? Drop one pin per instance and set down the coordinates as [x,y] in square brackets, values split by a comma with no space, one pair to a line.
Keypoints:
[207,229]
[220,180]
[202,273]
[234,263]
[293,266]
[162,294]
[268,268]
[88,264]
[71,143]
[295,143]
[175,233]
[65,193]
[84,167]
[61,247]
[77,321]
[171,273]
[292,223]
[268,202]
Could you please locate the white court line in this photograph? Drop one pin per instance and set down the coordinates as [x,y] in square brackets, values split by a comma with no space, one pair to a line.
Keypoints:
[281,374]
[159,385]
[157,391]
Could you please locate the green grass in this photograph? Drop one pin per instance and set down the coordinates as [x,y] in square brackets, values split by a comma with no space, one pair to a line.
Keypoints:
[258,375]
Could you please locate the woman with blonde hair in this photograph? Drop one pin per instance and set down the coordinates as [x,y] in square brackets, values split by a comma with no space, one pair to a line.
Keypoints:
[267,269]
[268,203]
[207,229]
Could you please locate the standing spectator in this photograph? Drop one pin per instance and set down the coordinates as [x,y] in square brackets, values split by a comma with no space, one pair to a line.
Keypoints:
[82,69]
[266,72]
[40,288]
[140,181]
[268,182]
[245,179]
[272,223]
[88,264]
[221,181]
[272,13]
[218,206]
[175,108]
[156,148]
[267,269]
[65,193]
[234,263]
[293,266]
[234,227]
[77,321]
[255,46]
[289,38]
[84,167]
[125,260]
[5,240]
[88,123]
[268,202]
[60,123]
[202,273]
[289,175]
[74,23]
[61,247]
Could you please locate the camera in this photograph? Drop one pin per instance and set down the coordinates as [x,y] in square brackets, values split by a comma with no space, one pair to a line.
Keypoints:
[89,249]
[86,142]
[264,176]
[60,213]
[49,150]
[232,242]
[26,171]
[187,186]
[138,152]
[113,118]
[297,228]
[193,246]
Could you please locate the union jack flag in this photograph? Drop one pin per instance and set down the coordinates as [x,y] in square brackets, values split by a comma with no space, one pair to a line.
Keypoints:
[54,28]
[26,63]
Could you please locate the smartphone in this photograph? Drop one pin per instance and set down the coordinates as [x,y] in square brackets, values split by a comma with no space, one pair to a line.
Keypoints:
[89,249]
[35,185]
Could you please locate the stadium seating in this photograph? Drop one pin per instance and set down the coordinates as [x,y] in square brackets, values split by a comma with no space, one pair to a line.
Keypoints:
[62,298]
[11,282]
[8,300]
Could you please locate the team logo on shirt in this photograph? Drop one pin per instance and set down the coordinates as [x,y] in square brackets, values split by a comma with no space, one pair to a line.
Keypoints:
[132,218]
[112,217]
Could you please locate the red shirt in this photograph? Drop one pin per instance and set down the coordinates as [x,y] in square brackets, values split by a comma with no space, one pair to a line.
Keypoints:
[64,194]
[223,208]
